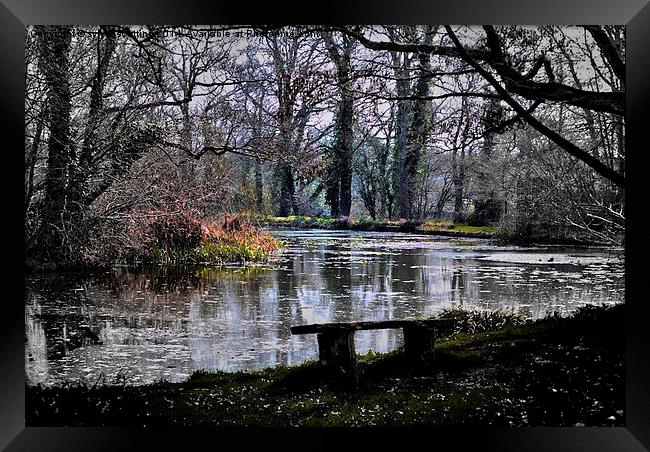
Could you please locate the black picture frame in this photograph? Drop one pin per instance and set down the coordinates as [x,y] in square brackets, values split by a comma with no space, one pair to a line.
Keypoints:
[635,14]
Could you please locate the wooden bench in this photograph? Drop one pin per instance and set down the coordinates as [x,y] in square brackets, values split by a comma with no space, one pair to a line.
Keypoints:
[336,340]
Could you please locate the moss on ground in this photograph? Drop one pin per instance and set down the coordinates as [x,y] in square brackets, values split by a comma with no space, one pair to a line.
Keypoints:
[556,371]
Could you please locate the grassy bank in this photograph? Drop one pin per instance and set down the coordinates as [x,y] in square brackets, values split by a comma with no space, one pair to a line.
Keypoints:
[491,369]
[446,228]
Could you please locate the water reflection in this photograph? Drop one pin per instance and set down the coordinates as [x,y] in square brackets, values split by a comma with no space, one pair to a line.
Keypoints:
[142,326]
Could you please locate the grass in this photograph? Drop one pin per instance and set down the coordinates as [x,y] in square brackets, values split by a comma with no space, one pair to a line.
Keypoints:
[304,221]
[233,240]
[464,243]
[368,224]
[437,226]
[491,369]
[365,224]
[230,242]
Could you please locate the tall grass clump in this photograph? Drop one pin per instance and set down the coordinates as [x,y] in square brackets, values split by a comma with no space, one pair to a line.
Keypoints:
[167,234]
[176,235]
[235,239]
[470,321]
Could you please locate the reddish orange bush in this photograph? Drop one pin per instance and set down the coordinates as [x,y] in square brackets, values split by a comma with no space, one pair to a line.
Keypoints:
[239,232]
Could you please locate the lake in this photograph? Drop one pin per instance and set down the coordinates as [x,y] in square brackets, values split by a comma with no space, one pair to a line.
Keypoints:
[143,325]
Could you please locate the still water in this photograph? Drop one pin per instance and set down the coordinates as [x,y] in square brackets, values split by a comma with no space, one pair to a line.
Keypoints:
[142,326]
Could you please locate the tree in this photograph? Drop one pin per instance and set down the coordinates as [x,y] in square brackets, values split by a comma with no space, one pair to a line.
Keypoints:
[54,50]
[418,131]
[296,94]
[518,83]
[339,181]
[487,207]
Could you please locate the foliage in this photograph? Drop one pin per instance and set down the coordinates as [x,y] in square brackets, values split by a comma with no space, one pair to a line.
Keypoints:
[364,223]
[457,227]
[175,235]
[235,239]
[109,133]
[302,221]
[441,225]
[475,321]
[172,236]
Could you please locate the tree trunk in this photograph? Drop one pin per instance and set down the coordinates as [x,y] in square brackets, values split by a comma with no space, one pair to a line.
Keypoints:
[259,187]
[341,179]
[487,209]
[186,167]
[80,172]
[30,163]
[80,169]
[401,129]
[54,46]
[345,151]
[458,176]
[384,183]
[286,201]
[416,138]
[333,184]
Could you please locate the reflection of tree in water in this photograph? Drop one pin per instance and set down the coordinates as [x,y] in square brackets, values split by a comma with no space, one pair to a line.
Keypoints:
[157,280]
[64,333]
[67,311]
[457,286]
[237,312]
[57,319]
[233,318]
[336,275]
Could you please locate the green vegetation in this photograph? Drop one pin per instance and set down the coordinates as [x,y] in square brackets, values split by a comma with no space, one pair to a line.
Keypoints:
[463,243]
[365,224]
[234,240]
[304,222]
[308,222]
[490,368]
[368,224]
[229,251]
[460,228]
[91,170]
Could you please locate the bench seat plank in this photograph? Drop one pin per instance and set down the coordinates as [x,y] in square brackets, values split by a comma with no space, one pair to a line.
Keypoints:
[368,325]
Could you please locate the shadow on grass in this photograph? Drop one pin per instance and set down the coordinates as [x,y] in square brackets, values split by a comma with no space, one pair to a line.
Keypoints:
[554,371]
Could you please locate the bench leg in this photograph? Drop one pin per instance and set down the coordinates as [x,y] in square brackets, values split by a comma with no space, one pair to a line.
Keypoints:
[336,351]
[418,343]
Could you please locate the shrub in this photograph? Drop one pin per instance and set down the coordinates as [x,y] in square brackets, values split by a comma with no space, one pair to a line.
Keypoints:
[306,222]
[165,234]
[439,225]
[235,239]
[364,223]
[474,321]
[180,232]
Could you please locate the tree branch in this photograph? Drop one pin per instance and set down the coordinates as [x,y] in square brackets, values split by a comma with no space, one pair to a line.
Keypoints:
[565,144]
[608,102]
[608,50]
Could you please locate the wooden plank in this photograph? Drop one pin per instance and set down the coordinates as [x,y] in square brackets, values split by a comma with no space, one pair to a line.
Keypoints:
[369,325]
